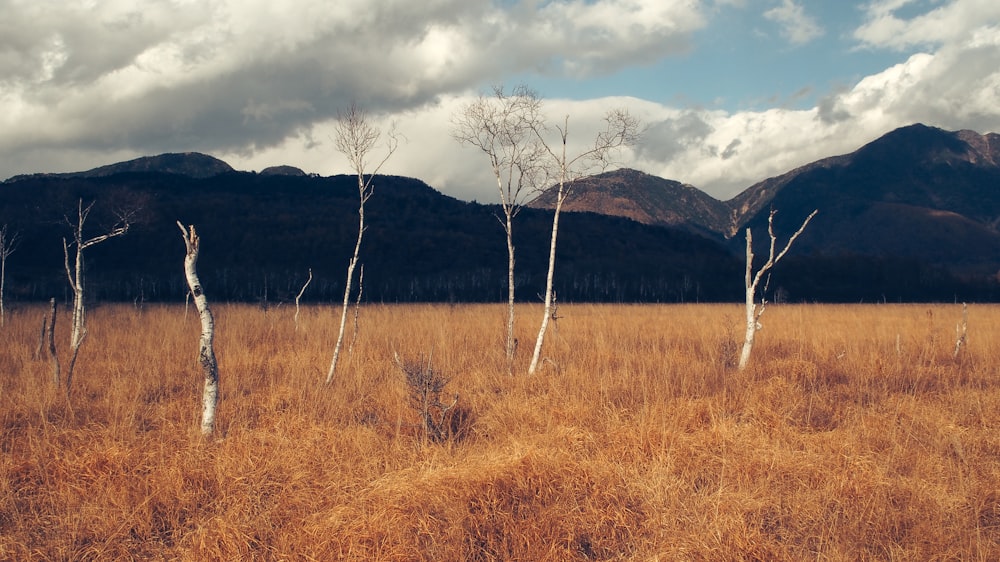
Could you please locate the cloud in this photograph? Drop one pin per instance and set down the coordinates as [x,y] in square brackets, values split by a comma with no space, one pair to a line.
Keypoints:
[956,87]
[244,75]
[259,84]
[796,26]
[950,23]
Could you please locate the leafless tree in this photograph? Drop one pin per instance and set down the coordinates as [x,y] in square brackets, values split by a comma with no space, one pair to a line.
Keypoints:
[621,129]
[206,349]
[8,244]
[76,273]
[752,282]
[356,138]
[503,127]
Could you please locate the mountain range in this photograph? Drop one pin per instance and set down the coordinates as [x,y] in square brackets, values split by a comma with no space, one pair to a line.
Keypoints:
[918,193]
[913,215]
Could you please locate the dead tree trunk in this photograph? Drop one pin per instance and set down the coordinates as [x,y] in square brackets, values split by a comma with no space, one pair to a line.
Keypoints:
[511,347]
[752,282]
[52,342]
[357,309]
[206,351]
[550,276]
[76,279]
[8,243]
[350,279]
[299,297]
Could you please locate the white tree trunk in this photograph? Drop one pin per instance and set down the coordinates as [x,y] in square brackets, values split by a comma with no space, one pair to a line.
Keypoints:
[750,285]
[347,288]
[8,243]
[75,276]
[752,282]
[511,342]
[751,330]
[299,297]
[78,319]
[206,350]
[549,278]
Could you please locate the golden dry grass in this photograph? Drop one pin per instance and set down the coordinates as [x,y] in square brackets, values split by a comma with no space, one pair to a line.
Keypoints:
[855,435]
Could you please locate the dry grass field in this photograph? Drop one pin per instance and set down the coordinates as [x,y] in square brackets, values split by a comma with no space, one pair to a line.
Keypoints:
[854,435]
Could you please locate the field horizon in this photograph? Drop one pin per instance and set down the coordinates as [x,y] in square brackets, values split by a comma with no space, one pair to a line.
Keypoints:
[856,433]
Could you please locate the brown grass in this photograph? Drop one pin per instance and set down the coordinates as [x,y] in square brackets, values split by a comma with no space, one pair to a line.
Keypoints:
[855,435]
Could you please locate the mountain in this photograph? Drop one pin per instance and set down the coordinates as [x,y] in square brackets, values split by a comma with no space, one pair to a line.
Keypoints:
[912,216]
[282,171]
[262,233]
[190,164]
[643,198]
[918,193]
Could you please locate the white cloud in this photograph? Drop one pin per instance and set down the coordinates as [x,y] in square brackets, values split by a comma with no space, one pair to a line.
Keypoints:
[237,76]
[952,22]
[258,83]
[957,87]
[796,26]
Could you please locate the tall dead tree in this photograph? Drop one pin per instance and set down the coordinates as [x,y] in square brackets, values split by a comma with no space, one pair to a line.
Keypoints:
[356,138]
[502,127]
[75,274]
[621,130]
[8,244]
[752,282]
[206,349]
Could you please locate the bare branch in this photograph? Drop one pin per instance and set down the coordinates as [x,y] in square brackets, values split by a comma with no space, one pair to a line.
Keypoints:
[8,242]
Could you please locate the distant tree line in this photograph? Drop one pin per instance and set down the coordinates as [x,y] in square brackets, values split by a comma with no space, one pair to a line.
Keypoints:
[263,233]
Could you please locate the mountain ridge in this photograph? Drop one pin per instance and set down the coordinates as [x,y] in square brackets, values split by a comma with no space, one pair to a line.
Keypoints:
[914,215]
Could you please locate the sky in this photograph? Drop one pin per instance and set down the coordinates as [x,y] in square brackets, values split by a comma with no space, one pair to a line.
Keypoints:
[729,92]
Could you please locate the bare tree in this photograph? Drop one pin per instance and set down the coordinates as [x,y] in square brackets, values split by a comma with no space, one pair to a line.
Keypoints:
[621,130]
[356,138]
[752,282]
[503,126]
[76,274]
[8,244]
[206,350]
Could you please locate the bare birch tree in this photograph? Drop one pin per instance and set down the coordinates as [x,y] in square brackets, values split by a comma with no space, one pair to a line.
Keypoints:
[621,130]
[76,274]
[503,127]
[206,349]
[752,282]
[8,244]
[356,138]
